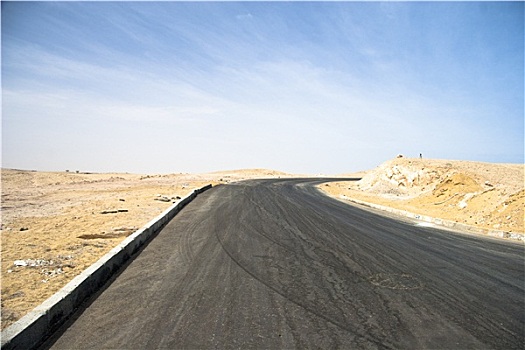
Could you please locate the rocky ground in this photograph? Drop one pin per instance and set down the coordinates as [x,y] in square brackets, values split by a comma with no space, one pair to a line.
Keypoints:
[56,224]
[486,195]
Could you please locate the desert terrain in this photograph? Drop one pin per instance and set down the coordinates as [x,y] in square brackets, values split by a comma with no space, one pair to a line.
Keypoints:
[486,195]
[56,224]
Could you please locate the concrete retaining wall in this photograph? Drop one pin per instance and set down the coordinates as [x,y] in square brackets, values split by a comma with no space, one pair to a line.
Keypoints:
[32,329]
[446,223]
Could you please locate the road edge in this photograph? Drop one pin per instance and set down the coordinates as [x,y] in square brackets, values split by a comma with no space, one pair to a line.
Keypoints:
[517,236]
[32,329]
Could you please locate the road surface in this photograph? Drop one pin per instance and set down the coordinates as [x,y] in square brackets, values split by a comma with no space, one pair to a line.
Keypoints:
[274,264]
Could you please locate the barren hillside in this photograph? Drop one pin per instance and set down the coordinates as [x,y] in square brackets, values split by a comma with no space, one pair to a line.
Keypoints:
[486,195]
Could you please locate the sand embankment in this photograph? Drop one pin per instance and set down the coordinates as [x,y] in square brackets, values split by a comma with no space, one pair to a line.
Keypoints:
[487,195]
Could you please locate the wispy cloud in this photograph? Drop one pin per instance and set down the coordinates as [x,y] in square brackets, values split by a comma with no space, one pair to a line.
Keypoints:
[243,85]
[244,16]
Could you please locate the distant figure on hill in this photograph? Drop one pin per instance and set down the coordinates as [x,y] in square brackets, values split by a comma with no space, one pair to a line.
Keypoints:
[420,155]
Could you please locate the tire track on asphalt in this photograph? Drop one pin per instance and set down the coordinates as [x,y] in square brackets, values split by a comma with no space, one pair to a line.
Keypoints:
[276,264]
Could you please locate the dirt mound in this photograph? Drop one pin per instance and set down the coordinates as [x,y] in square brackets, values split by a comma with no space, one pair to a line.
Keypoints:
[227,176]
[486,195]
[251,173]
[454,187]
[399,178]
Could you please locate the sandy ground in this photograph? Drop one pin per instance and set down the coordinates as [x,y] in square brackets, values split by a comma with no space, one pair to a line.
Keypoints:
[56,224]
[486,195]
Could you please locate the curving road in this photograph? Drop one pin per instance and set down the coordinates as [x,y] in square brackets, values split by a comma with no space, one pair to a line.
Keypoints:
[275,264]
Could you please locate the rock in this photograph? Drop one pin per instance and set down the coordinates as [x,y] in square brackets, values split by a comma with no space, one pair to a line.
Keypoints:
[163,199]
[20,263]
[10,315]
[65,257]
[52,273]
[18,294]
[122,210]
[124,228]
[109,212]
[24,229]
[487,183]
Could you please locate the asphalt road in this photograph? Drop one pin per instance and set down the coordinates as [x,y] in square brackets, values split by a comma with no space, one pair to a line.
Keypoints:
[274,264]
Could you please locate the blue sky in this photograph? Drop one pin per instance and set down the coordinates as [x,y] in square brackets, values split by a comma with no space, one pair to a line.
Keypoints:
[312,87]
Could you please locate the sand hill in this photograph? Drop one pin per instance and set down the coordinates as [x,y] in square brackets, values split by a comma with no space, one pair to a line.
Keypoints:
[487,195]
